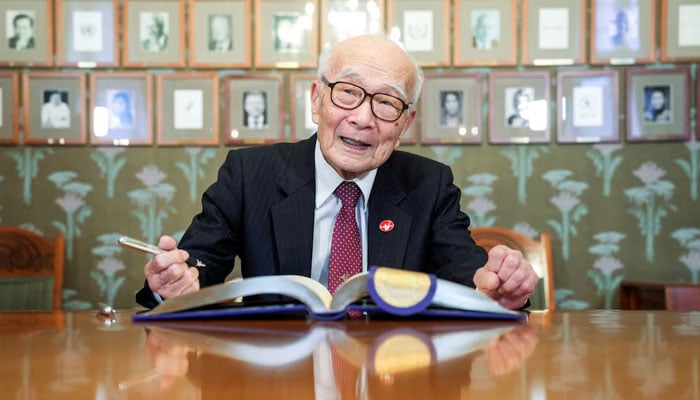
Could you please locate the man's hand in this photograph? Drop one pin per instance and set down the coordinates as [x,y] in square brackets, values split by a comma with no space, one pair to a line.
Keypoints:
[507,277]
[167,273]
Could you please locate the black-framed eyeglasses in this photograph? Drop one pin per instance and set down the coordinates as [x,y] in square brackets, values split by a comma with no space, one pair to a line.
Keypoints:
[349,96]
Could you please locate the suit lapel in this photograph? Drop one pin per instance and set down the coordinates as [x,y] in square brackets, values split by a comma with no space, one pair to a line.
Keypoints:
[293,216]
[387,248]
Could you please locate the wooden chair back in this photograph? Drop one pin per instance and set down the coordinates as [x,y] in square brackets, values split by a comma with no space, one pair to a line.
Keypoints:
[31,270]
[682,297]
[537,252]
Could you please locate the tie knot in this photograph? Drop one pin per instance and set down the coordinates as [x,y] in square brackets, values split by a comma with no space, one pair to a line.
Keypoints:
[348,192]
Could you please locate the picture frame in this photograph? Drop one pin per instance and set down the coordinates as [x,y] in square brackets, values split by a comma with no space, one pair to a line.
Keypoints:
[484,32]
[451,109]
[423,28]
[121,108]
[588,106]
[87,33]
[623,32]
[300,122]
[27,34]
[680,32]
[519,107]
[153,33]
[341,19]
[286,34]
[224,42]
[553,32]
[9,107]
[658,104]
[260,97]
[188,108]
[54,108]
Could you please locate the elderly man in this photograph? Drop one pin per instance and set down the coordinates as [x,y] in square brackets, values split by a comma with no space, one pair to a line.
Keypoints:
[276,206]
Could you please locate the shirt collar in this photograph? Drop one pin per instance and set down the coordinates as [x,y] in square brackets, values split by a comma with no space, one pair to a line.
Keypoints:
[327,179]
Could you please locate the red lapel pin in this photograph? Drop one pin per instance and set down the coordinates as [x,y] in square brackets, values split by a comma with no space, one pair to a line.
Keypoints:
[386,226]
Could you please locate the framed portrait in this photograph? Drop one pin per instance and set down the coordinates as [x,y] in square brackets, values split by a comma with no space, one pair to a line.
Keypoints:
[588,106]
[485,32]
[451,109]
[253,108]
[154,33]
[121,108]
[341,19]
[519,107]
[658,104]
[87,33]
[219,33]
[9,107]
[623,31]
[286,34]
[554,32]
[301,124]
[423,28]
[680,31]
[187,106]
[54,108]
[26,32]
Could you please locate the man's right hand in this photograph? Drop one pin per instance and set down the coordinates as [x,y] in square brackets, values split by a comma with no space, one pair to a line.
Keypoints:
[167,273]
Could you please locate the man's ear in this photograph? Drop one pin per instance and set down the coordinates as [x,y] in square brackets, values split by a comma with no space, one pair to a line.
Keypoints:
[315,93]
[410,119]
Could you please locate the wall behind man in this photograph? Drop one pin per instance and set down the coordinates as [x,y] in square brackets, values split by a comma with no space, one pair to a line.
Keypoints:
[623,210]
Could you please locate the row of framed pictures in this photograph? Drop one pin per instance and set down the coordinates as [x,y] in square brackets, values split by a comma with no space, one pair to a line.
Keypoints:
[189,109]
[156,33]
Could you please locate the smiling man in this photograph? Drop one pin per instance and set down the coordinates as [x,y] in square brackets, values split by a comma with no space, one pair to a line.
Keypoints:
[285,208]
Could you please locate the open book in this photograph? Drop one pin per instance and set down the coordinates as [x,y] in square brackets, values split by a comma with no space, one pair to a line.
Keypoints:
[381,290]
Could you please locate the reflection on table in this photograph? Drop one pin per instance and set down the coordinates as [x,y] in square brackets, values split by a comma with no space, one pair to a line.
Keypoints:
[594,354]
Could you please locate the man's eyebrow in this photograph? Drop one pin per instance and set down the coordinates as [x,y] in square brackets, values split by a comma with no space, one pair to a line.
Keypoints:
[351,73]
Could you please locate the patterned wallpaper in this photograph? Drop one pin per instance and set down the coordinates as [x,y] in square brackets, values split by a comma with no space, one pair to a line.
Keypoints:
[621,210]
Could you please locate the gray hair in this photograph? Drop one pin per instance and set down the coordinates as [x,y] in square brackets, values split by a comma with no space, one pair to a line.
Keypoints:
[324,58]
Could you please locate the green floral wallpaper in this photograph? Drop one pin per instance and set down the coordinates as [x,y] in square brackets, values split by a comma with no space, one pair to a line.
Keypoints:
[615,211]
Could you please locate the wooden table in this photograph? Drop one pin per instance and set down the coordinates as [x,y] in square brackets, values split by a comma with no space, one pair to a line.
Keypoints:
[583,354]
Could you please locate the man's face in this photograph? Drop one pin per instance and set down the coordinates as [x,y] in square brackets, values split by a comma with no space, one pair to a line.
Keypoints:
[55,99]
[254,104]
[451,104]
[355,141]
[658,100]
[24,29]
[219,28]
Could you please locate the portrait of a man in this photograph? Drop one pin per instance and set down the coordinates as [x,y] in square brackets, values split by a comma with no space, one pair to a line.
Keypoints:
[289,34]
[121,112]
[220,33]
[55,112]
[154,30]
[486,27]
[657,104]
[518,106]
[451,110]
[20,29]
[255,109]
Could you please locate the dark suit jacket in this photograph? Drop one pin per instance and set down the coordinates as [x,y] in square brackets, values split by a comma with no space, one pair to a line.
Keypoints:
[13,43]
[261,209]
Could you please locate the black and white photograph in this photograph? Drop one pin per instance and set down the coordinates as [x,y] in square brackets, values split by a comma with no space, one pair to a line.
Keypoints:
[154,31]
[485,29]
[617,27]
[517,107]
[657,104]
[623,31]
[220,33]
[289,33]
[87,31]
[55,110]
[255,109]
[20,29]
[451,108]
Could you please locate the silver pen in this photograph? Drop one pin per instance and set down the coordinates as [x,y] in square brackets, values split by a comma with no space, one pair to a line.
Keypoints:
[135,244]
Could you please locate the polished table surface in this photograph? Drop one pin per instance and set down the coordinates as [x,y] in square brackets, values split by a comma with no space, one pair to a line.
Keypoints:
[561,354]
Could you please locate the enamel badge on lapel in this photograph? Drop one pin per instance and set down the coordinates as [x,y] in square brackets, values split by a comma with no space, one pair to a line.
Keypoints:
[386,226]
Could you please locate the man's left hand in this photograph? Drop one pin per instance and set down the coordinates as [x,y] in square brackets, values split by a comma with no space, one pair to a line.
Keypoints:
[507,277]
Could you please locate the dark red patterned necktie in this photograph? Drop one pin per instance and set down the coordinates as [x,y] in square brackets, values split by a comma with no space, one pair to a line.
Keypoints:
[346,249]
